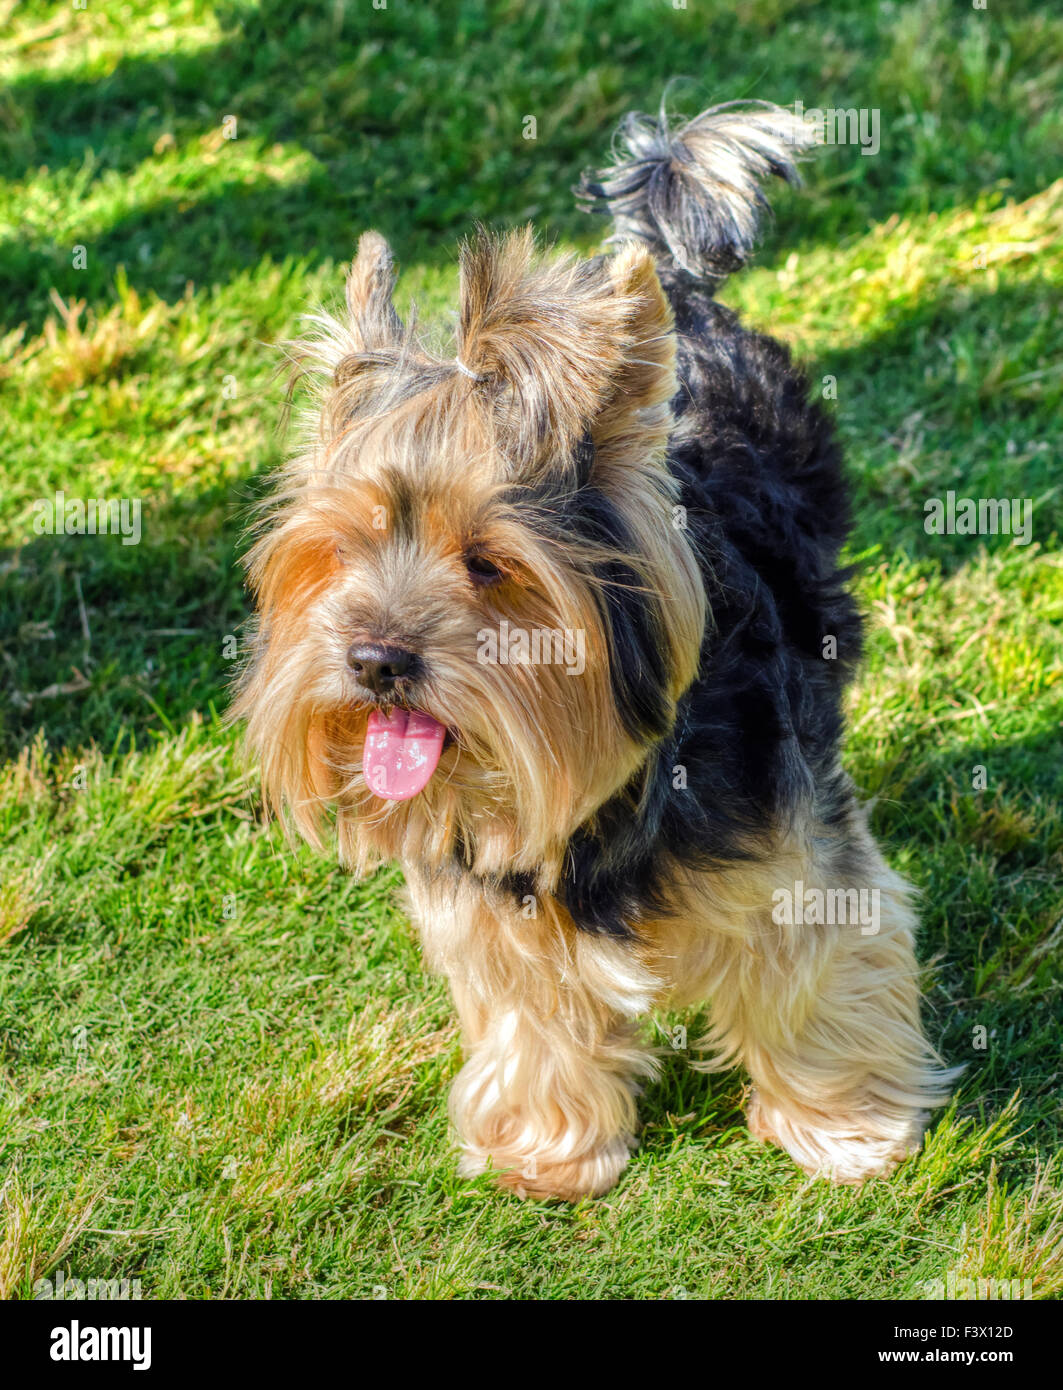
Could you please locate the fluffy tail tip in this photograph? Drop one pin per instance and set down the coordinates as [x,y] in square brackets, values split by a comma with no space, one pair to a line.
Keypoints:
[692,192]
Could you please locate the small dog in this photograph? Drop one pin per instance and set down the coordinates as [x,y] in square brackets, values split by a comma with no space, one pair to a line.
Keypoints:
[555,619]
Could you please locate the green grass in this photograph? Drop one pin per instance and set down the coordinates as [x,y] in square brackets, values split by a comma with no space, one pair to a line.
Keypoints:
[222,1065]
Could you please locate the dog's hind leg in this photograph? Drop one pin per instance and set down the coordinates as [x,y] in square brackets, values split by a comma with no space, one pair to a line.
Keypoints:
[823,1010]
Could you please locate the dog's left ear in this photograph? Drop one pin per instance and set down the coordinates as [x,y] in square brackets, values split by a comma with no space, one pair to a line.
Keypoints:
[635,417]
[564,348]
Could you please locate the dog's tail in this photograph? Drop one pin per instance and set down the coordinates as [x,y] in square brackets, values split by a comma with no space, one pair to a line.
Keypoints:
[692,192]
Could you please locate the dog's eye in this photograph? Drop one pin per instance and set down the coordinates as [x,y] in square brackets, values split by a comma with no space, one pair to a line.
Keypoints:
[482,571]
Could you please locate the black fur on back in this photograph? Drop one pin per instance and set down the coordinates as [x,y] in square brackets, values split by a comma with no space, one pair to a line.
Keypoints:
[757,735]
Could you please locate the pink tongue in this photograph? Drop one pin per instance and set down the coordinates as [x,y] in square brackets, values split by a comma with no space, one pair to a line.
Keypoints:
[401,752]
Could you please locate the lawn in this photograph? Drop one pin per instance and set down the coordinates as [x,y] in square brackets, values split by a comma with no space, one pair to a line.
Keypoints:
[222,1064]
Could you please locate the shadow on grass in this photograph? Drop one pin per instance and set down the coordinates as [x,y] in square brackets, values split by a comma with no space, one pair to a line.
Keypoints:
[413,119]
[418,160]
[158,614]
[950,398]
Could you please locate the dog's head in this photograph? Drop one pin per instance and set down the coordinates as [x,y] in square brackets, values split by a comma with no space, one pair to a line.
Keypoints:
[477,605]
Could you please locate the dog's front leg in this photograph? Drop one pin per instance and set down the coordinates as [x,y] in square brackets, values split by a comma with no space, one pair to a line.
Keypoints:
[546,1098]
[548,1107]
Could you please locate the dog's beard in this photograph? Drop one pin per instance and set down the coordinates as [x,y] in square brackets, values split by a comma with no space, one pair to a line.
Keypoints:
[529,753]
[533,748]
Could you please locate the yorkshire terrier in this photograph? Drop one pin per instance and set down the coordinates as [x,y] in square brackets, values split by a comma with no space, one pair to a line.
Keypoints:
[555,619]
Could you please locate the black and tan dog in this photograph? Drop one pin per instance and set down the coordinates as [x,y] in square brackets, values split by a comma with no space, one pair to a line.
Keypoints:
[555,619]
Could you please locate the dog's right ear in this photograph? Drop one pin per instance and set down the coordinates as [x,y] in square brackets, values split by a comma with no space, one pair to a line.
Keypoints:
[374,324]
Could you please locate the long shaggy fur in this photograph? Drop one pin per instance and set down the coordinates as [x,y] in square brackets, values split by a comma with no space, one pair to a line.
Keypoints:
[637,467]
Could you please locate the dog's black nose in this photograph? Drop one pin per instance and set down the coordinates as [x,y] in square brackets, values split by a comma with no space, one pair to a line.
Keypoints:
[378,667]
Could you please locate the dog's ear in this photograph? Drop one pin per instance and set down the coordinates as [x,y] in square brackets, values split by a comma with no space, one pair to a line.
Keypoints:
[374,323]
[635,419]
[542,336]
[565,347]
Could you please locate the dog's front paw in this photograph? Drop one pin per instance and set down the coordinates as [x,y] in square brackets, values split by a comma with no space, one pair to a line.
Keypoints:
[867,1146]
[546,1175]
